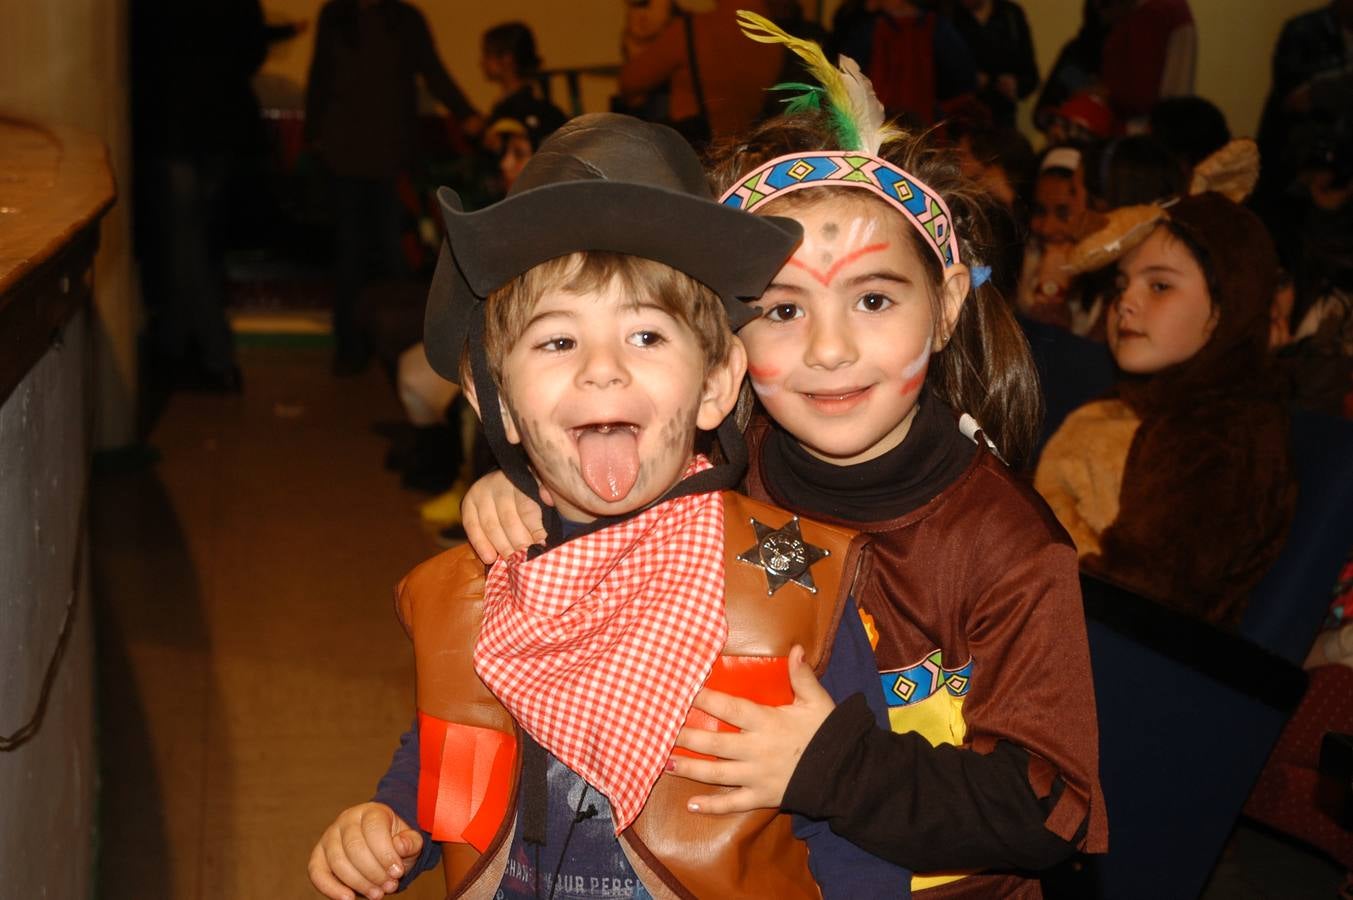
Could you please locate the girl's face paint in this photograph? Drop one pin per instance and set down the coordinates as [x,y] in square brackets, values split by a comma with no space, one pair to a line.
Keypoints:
[839,354]
[764,379]
[915,372]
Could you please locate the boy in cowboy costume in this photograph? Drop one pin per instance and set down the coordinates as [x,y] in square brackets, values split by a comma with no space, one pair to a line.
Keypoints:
[587,315]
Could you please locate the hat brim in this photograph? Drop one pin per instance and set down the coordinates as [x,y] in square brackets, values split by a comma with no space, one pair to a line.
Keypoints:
[734,253]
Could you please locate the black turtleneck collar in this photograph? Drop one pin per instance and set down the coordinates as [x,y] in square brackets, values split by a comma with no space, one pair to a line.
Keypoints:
[930,458]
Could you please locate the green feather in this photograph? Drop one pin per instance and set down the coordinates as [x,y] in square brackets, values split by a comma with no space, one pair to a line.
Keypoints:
[847,132]
[811,98]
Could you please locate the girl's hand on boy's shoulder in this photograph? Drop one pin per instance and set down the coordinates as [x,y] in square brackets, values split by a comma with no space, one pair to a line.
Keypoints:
[759,759]
[367,849]
[499,520]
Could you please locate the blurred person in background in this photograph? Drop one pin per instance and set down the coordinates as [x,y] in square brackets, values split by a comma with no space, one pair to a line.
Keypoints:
[997,33]
[1310,102]
[1076,69]
[195,123]
[1192,445]
[509,60]
[1060,216]
[1150,52]
[714,78]
[920,66]
[361,115]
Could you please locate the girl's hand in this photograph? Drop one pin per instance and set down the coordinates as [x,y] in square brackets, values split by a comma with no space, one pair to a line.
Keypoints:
[760,759]
[499,520]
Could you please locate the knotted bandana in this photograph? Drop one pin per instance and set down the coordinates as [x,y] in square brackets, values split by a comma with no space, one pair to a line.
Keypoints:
[599,646]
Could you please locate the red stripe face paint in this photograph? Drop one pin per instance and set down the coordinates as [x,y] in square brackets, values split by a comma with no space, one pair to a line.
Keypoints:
[825,278]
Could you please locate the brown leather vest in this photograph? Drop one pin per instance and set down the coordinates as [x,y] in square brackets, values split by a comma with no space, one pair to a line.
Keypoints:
[676,853]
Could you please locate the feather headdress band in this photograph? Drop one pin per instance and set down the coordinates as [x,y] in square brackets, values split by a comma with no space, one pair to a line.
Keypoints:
[861,127]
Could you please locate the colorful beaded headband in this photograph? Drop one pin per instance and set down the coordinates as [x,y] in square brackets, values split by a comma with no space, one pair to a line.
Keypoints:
[921,204]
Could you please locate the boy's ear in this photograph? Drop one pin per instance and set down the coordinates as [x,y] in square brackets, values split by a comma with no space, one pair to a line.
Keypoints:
[721,388]
[953,293]
[509,426]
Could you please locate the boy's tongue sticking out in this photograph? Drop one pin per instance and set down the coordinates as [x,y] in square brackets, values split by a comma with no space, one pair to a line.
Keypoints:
[609,456]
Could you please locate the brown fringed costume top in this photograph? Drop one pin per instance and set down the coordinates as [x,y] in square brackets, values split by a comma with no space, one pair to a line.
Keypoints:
[991,769]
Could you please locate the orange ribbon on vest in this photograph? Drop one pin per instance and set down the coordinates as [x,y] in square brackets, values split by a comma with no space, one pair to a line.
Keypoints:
[761,679]
[464,780]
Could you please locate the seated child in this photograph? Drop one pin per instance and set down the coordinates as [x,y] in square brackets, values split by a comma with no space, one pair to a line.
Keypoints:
[551,689]
[1178,485]
[1060,217]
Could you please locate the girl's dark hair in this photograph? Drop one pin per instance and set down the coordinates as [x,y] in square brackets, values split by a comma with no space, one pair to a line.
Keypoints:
[985,368]
[514,39]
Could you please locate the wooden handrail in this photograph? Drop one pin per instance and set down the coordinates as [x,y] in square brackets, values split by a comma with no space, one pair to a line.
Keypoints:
[55,183]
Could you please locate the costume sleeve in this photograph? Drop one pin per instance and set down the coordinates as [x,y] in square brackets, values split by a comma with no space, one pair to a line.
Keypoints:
[429,65]
[842,869]
[1181,54]
[1069,481]
[928,808]
[319,83]
[398,789]
[1022,792]
[647,71]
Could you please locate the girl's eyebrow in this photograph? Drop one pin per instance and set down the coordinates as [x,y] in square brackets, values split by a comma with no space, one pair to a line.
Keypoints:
[883,275]
[782,286]
[1159,267]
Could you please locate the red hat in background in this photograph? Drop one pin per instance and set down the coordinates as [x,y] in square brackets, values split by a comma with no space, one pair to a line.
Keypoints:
[1089,112]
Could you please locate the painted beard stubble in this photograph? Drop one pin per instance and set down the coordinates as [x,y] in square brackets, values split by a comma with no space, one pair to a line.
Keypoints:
[676,434]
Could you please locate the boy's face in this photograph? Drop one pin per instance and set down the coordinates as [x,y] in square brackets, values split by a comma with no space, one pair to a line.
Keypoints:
[605,392]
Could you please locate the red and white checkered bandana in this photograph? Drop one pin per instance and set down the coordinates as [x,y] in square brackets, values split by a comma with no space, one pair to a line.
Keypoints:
[599,646]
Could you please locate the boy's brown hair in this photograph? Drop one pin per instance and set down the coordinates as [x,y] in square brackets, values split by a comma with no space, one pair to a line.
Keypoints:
[508,309]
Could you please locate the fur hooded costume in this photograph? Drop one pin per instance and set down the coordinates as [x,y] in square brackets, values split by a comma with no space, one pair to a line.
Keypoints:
[1178,486]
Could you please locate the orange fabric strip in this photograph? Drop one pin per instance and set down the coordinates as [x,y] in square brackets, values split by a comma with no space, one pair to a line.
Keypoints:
[761,679]
[464,780]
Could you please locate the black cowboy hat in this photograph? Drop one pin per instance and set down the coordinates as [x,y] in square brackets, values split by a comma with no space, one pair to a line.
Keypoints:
[601,182]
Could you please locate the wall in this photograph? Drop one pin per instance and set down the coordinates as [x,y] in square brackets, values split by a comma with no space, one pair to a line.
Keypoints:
[64,62]
[47,784]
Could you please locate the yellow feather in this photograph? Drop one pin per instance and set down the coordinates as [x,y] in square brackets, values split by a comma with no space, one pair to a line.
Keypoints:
[763,30]
[848,90]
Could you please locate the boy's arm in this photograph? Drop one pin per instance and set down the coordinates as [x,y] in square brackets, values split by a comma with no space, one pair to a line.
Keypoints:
[840,868]
[398,789]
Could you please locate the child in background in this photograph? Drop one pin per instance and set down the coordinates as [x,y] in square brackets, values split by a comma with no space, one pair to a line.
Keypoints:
[509,60]
[869,343]
[551,689]
[1178,486]
[1061,216]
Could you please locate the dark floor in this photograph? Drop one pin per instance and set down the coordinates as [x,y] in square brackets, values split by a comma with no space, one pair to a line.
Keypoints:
[254,678]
